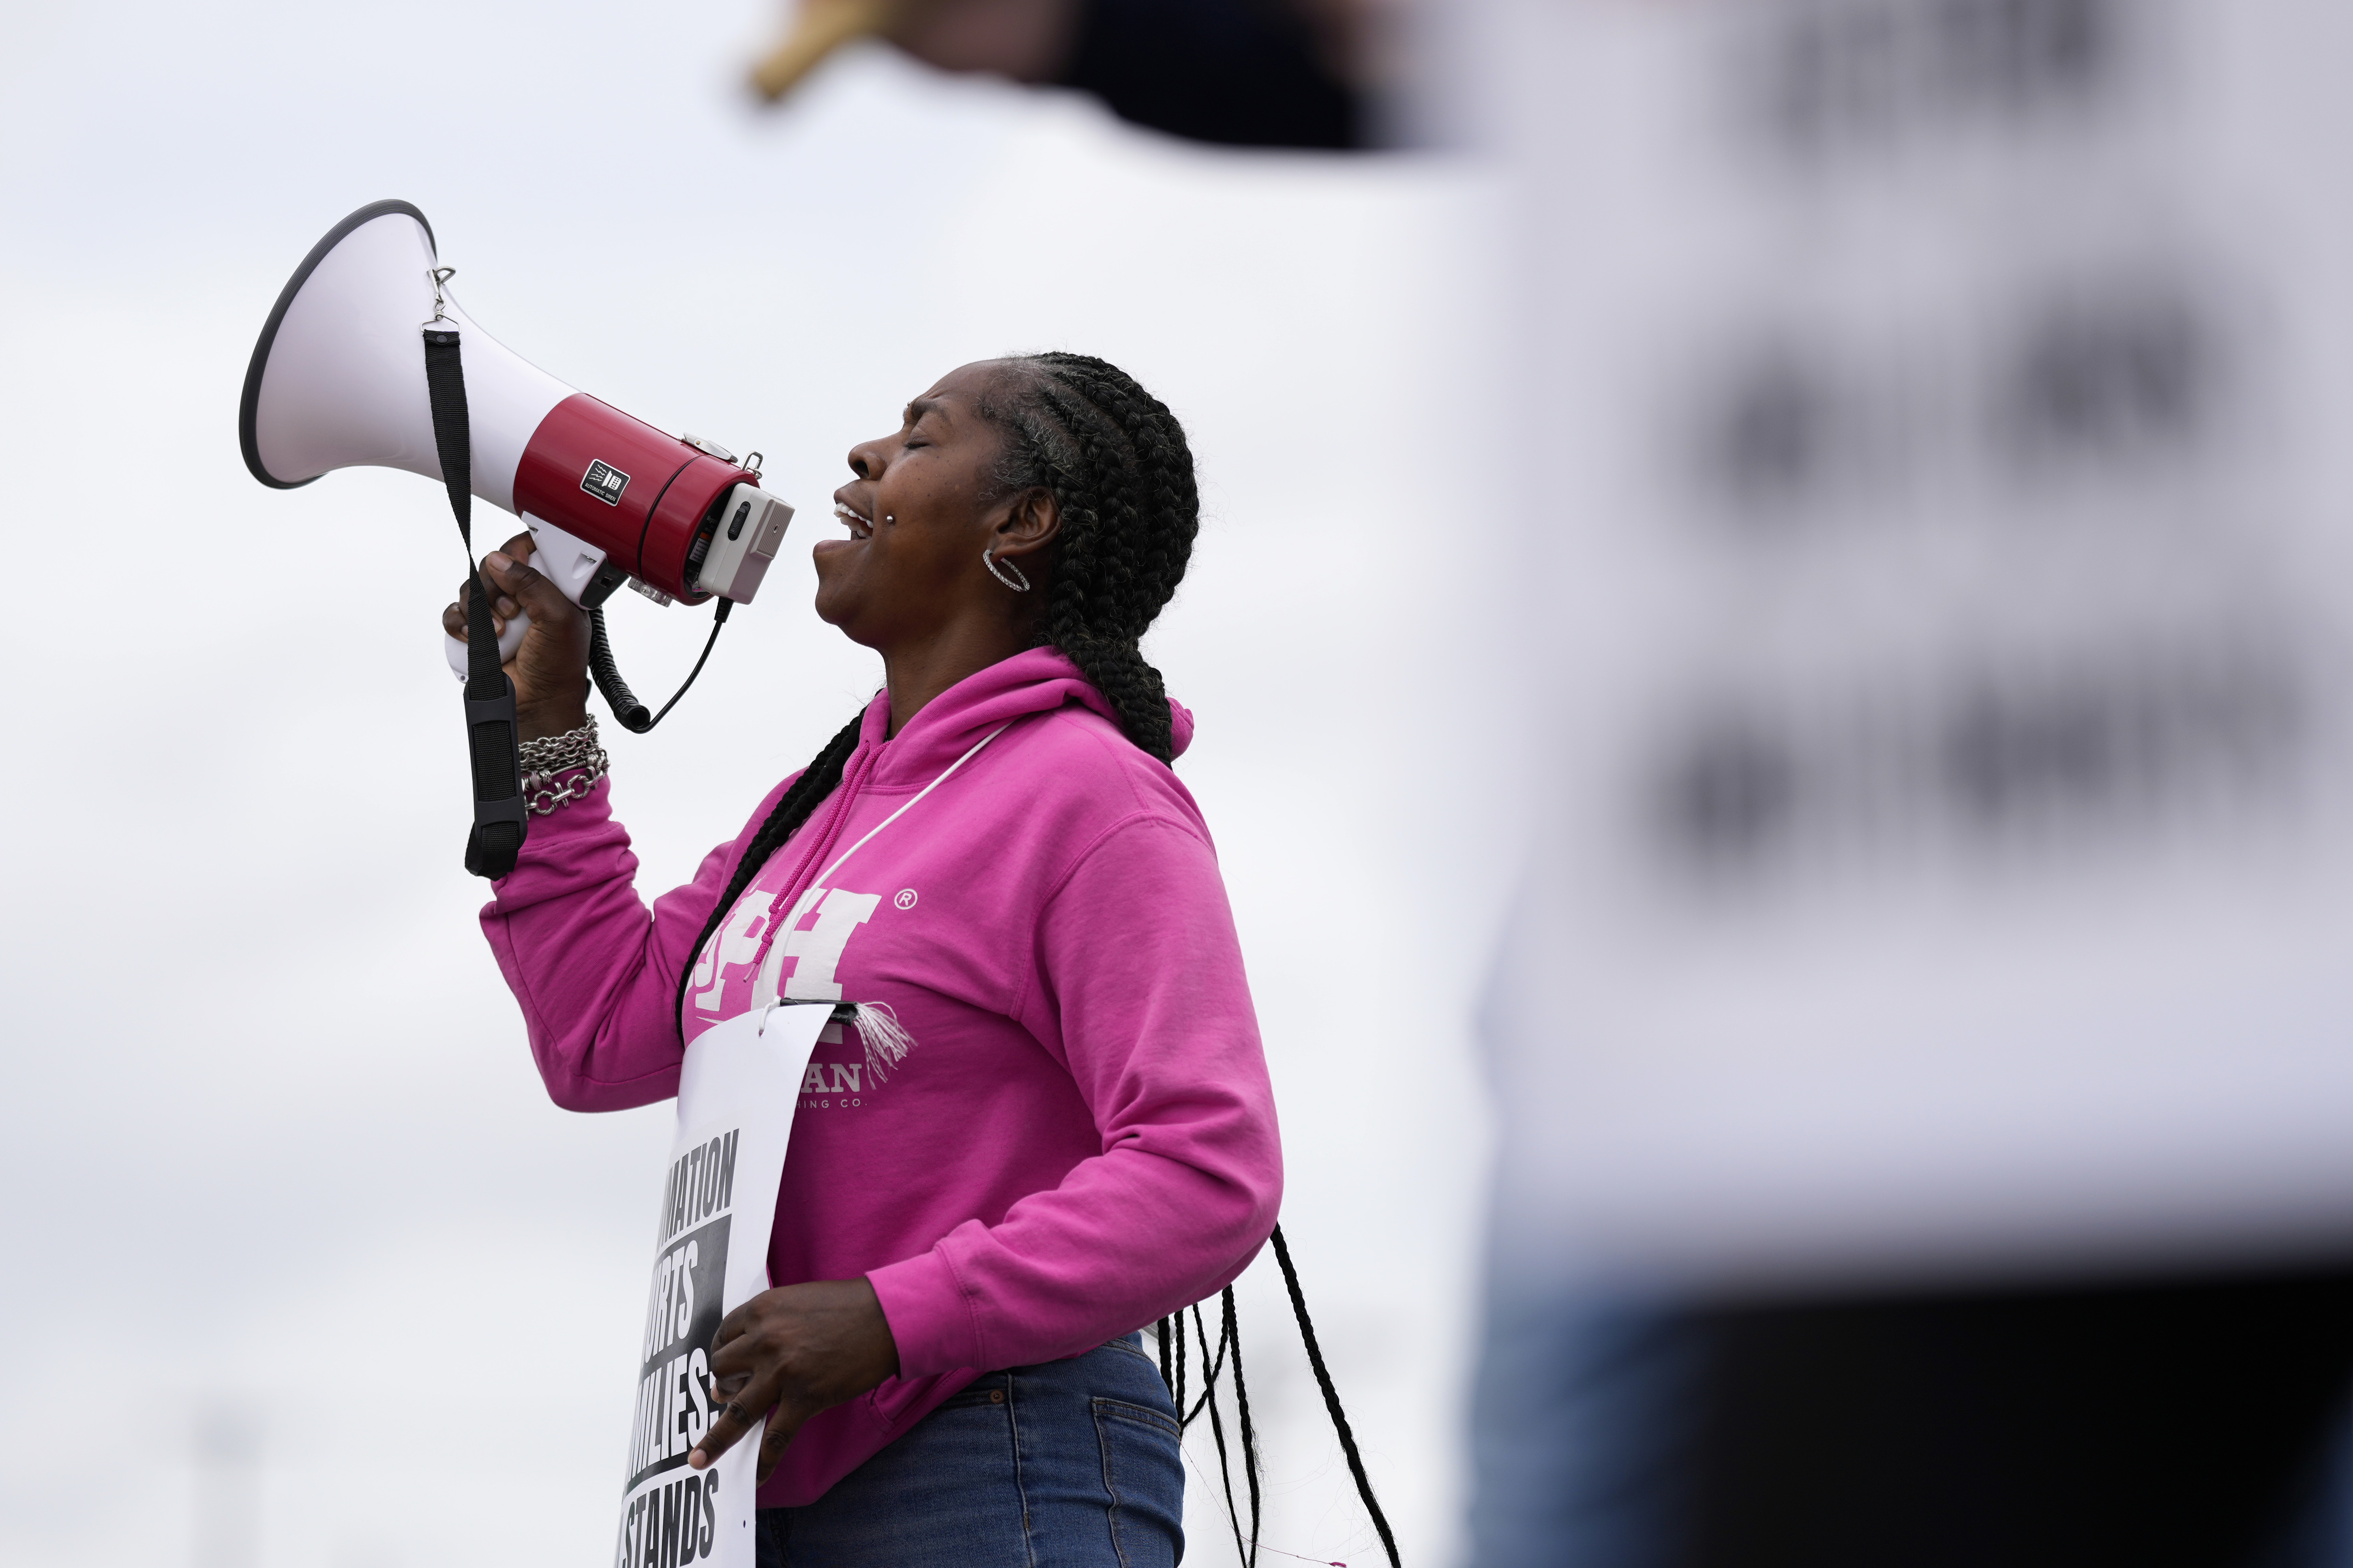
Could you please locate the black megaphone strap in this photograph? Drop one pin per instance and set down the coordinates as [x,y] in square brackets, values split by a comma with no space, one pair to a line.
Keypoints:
[493,740]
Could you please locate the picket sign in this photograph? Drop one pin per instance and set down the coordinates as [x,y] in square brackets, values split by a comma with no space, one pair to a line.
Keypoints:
[736,1095]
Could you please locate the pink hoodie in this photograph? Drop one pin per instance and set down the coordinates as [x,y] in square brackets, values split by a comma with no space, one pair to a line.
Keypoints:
[1082,1139]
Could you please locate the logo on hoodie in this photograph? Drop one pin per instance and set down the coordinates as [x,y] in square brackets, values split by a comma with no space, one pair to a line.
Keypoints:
[814,950]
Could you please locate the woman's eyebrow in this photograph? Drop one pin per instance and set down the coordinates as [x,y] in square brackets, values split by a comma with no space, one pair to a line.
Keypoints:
[920,407]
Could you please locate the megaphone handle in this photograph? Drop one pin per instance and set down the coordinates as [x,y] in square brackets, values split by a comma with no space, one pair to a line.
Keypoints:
[509,640]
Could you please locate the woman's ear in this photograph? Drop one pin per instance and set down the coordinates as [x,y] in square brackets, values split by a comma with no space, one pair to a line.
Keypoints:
[1030,524]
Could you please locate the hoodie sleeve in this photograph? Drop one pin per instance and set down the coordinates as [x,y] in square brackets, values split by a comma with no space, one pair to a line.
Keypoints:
[1138,988]
[596,972]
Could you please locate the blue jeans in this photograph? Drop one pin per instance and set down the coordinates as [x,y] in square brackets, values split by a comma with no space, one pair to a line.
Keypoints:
[1072,1464]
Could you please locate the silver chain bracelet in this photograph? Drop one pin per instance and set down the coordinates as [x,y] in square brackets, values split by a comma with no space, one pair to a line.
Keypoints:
[572,749]
[573,755]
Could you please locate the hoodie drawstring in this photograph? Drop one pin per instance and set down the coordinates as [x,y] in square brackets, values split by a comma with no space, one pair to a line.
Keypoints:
[782,908]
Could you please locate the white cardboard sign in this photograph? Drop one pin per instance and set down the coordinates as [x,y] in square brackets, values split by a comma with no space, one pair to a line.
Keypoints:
[736,1095]
[1937,477]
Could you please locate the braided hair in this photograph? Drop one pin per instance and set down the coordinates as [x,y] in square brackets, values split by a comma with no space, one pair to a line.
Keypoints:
[1121,473]
[1117,464]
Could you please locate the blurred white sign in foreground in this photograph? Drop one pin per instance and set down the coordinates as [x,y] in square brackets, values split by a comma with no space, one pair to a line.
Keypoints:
[1942,469]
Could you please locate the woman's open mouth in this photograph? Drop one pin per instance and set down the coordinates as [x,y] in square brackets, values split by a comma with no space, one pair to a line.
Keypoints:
[859,527]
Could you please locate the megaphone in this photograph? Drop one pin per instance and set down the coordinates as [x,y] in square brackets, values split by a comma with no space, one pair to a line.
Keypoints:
[338,380]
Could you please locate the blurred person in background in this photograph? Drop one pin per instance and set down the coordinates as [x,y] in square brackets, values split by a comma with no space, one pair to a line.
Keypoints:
[1922,1047]
[1249,73]
[1079,1138]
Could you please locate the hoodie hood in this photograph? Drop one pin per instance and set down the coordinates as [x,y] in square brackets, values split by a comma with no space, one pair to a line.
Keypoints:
[1036,680]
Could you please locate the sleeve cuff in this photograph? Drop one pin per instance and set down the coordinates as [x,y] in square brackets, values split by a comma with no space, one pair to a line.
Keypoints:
[930,1319]
[576,839]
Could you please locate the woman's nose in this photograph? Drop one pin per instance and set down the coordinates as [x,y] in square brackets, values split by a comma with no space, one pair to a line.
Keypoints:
[866,459]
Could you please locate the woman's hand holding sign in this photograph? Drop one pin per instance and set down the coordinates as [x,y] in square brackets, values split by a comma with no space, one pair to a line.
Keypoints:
[794,1351]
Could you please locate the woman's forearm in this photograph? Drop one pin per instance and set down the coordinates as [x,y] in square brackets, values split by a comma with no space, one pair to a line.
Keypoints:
[594,970]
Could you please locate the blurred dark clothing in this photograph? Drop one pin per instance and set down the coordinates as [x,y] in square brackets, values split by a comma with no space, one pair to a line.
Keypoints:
[2196,1423]
[1244,73]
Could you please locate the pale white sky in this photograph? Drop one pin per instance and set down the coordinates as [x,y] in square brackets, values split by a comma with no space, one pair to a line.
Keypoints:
[273,1142]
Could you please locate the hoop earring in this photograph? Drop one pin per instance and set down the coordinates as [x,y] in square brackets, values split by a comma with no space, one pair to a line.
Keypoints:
[998,569]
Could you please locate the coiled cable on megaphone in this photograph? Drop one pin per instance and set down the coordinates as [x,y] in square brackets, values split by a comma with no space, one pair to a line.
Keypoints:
[627,711]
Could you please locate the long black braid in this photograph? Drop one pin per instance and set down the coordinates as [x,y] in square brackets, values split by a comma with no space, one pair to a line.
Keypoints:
[1116,462]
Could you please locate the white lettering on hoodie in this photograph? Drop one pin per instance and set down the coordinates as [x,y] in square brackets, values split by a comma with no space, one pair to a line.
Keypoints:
[816,951]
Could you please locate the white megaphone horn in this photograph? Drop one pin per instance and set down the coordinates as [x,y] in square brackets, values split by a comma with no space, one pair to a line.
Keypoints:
[338,380]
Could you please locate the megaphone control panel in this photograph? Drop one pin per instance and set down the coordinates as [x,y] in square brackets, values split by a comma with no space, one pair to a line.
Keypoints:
[733,556]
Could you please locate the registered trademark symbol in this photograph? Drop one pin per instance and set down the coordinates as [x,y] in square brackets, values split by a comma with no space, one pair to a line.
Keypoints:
[906,899]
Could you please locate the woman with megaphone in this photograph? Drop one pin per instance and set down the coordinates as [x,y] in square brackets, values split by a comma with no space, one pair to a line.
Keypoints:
[1071,1133]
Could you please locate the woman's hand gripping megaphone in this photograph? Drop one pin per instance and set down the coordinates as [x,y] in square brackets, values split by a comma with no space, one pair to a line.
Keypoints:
[549,666]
